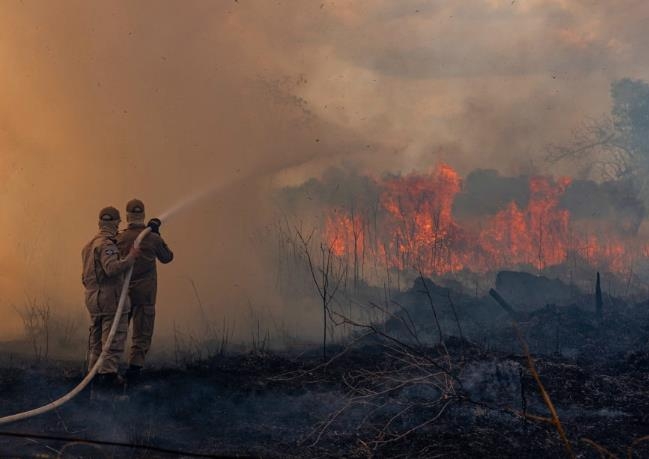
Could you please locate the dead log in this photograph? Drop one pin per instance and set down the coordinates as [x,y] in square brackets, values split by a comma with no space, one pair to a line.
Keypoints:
[598,298]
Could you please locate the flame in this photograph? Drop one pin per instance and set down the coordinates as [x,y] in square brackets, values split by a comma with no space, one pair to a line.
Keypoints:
[344,233]
[420,223]
[413,226]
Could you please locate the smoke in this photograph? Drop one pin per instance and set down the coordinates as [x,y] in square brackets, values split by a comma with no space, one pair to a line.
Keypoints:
[100,103]
[480,84]
[149,100]
[486,192]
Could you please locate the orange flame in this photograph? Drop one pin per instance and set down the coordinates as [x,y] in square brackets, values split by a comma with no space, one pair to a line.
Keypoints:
[414,227]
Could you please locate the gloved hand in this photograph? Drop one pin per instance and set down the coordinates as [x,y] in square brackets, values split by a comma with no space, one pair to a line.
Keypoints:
[155,225]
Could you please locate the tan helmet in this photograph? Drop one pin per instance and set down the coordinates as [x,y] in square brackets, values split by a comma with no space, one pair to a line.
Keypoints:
[135,206]
[109,214]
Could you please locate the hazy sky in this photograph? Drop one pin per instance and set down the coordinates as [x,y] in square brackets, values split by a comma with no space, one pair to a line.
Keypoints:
[101,102]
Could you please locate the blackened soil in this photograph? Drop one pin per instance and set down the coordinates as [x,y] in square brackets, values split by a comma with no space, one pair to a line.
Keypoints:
[251,405]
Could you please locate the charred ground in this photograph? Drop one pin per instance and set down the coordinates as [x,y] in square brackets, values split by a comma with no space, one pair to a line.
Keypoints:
[394,388]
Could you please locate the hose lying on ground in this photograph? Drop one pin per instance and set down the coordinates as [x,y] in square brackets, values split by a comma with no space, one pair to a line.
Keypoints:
[93,371]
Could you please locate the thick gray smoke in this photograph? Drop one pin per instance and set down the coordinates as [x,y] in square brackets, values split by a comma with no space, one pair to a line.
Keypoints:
[486,192]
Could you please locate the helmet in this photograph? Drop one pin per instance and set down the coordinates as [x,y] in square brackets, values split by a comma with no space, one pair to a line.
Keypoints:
[135,206]
[109,214]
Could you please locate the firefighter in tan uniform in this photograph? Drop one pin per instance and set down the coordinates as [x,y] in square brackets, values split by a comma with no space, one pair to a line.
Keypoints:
[144,282]
[103,278]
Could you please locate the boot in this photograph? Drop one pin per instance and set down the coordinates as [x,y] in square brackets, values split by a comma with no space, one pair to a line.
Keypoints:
[132,375]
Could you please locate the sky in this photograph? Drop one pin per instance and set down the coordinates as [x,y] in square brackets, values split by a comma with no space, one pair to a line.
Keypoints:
[101,102]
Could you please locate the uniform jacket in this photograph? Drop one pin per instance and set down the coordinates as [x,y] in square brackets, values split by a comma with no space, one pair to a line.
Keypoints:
[144,283]
[103,273]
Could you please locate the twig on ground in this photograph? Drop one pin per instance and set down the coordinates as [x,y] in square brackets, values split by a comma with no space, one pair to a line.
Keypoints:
[600,449]
[544,393]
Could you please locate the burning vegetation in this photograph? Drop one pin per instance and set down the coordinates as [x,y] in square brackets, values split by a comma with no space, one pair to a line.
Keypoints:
[431,224]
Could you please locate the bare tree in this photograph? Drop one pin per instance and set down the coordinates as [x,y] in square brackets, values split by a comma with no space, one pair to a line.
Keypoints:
[617,145]
[36,322]
[327,276]
[393,413]
[600,147]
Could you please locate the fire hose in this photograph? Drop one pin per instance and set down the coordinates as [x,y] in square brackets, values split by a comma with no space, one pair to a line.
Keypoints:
[93,371]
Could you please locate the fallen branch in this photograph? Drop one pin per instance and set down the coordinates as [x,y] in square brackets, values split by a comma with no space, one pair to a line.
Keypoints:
[515,315]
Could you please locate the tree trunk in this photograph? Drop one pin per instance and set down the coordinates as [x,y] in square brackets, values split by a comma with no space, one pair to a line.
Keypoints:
[324,333]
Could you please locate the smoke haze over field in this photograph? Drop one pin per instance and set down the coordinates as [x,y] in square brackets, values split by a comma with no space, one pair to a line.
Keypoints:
[105,101]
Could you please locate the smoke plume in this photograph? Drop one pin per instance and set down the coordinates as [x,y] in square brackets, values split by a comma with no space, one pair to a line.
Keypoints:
[104,102]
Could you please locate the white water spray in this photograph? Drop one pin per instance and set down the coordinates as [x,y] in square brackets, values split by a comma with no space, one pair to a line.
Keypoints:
[182,205]
[189,201]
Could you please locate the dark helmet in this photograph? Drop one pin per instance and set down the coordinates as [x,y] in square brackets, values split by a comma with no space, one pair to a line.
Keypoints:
[109,214]
[135,206]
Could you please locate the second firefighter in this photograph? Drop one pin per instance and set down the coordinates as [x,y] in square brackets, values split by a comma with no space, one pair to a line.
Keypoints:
[144,283]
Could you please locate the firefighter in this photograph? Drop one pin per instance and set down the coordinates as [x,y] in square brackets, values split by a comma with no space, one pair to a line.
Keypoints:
[143,288]
[103,279]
